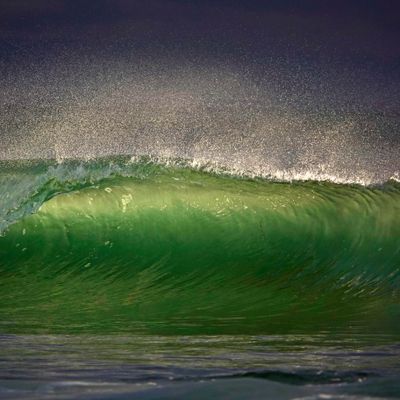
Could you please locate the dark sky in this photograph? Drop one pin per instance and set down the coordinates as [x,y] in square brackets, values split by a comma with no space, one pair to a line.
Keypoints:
[366,31]
[353,41]
[290,60]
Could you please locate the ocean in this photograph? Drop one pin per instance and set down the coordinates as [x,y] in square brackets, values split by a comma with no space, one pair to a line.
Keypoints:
[125,278]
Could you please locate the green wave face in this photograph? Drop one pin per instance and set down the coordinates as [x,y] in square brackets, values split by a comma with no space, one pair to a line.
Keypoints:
[174,250]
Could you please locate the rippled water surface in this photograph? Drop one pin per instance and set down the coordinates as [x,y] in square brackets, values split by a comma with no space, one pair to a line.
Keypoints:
[199,367]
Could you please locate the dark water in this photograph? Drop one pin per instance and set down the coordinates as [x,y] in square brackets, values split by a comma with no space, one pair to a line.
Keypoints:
[199,367]
[129,278]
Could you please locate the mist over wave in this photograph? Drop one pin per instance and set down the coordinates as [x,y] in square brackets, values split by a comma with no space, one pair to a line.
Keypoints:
[272,124]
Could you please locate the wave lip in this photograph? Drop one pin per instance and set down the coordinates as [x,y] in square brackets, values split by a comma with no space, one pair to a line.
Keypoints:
[26,185]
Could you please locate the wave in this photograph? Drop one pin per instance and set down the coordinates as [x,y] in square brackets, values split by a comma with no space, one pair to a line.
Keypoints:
[122,245]
[26,184]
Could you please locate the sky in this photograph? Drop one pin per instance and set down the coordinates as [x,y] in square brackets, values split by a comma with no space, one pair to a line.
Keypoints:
[353,40]
[61,62]
[361,31]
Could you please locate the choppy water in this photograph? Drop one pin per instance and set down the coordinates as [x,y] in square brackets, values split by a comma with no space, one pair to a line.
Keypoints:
[129,278]
[198,367]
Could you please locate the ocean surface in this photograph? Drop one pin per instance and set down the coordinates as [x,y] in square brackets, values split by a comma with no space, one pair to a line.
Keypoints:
[125,278]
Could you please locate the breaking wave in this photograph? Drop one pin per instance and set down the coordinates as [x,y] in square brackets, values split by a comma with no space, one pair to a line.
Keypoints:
[122,245]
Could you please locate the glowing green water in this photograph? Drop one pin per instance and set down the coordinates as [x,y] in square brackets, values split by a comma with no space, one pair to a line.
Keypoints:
[173,250]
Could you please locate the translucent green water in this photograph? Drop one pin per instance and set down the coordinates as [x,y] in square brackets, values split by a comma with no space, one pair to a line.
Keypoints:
[110,246]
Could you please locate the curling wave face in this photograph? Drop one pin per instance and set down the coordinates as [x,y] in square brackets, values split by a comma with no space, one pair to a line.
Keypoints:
[116,245]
